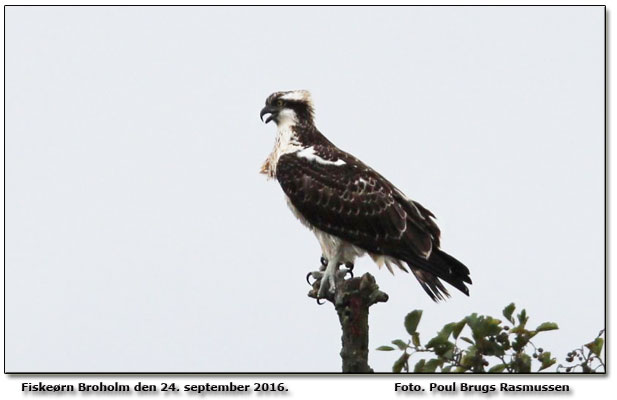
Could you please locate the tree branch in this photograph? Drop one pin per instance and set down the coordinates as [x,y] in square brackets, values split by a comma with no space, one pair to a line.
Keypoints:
[352,299]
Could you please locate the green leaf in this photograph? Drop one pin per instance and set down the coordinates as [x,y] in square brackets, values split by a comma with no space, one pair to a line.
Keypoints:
[400,363]
[432,364]
[466,339]
[400,344]
[436,341]
[545,366]
[498,367]
[447,329]
[448,355]
[547,326]
[596,346]
[520,342]
[440,343]
[443,349]
[385,348]
[472,319]
[482,327]
[522,318]
[493,326]
[523,363]
[458,327]
[546,360]
[518,330]
[419,366]
[415,338]
[469,357]
[412,320]
[492,348]
[507,312]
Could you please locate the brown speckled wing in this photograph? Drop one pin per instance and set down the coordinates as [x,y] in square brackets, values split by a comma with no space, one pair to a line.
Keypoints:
[355,203]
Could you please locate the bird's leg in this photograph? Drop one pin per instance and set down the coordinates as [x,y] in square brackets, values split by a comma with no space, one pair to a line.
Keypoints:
[328,281]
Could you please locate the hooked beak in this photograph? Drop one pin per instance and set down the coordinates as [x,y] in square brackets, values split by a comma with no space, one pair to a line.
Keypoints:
[268,110]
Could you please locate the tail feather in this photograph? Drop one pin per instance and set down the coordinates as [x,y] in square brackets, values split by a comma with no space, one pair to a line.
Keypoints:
[431,284]
[439,265]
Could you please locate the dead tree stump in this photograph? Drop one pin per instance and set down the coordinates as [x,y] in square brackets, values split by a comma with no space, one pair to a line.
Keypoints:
[352,299]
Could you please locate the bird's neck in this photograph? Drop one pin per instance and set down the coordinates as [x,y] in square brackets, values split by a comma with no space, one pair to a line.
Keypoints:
[292,136]
[308,135]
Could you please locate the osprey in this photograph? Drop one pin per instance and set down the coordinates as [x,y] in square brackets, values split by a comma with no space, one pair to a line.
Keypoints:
[351,208]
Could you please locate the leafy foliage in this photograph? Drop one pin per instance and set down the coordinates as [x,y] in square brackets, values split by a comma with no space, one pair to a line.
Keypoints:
[586,358]
[492,346]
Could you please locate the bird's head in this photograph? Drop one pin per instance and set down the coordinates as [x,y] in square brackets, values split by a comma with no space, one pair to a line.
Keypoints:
[289,108]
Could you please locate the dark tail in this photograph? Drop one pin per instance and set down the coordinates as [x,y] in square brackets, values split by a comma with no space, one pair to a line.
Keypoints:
[440,265]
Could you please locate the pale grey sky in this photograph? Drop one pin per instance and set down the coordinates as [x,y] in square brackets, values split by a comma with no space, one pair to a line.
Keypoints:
[140,236]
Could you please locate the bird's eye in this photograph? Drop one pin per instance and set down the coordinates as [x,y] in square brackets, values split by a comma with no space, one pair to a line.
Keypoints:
[279,103]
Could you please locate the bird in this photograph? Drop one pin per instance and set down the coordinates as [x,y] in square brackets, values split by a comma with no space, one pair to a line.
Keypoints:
[351,208]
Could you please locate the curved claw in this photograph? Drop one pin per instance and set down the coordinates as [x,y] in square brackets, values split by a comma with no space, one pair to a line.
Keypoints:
[318,301]
[324,261]
[317,275]
[350,272]
[349,266]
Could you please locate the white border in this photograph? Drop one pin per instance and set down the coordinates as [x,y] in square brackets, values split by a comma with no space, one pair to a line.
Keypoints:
[356,387]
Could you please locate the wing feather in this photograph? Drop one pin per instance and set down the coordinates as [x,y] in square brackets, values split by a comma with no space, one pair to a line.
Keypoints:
[355,203]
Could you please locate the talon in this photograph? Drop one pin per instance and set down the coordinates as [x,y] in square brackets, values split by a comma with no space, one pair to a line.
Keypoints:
[318,301]
[349,266]
[317,275]
[324,263]
[350,272]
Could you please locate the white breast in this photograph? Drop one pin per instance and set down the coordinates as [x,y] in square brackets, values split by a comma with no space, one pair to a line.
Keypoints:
[285,142]
[331,246]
